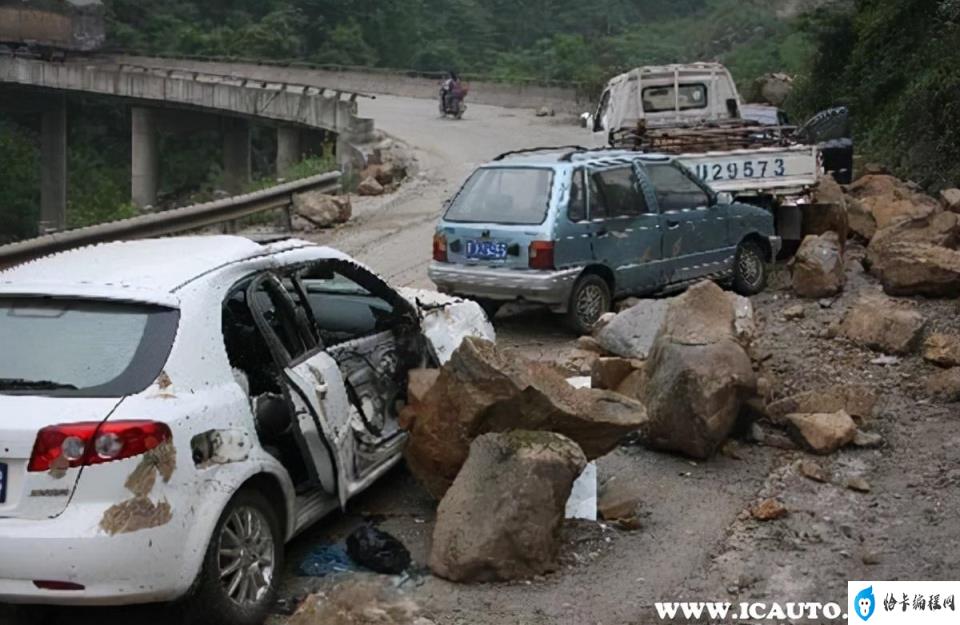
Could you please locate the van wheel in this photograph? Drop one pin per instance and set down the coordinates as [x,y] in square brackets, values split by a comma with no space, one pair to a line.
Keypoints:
[589,301]
[241,570]
[749,269]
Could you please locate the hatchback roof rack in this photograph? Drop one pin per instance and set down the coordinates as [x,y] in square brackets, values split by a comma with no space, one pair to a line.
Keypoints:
[556,148]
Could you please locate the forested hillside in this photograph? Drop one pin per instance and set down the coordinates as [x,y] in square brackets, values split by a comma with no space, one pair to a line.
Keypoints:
[896,64]
[567,40]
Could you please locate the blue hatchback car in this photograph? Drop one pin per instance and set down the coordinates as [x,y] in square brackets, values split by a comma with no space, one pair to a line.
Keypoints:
[575,229]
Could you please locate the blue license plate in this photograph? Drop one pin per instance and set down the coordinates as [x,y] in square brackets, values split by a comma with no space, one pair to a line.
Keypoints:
[3,483]
[486,250]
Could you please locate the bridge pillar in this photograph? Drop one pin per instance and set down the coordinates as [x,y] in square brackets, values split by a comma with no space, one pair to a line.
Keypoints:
[145,160]
[289,151]
[236,154]
[53,178]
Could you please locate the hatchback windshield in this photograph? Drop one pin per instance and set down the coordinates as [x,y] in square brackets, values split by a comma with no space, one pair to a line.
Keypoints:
[503,196]
[82,348]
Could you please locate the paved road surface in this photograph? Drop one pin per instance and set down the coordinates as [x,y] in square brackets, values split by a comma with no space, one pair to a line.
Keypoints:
[394,234]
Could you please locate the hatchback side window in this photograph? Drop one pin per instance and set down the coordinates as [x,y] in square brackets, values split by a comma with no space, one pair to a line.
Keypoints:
[674,188]
[621,194]
[577,207]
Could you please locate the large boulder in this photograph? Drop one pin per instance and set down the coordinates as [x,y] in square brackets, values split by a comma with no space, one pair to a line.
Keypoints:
[857,400]
[889,199]
[699,372]
[694,395]
[481,390]
[631,333]
[818,269]
[822,433]
[501,518]
[942,350]
[920,269]
[950,198]
[941,229]
[774,89]
[706,314]
[322,210]
[883,324]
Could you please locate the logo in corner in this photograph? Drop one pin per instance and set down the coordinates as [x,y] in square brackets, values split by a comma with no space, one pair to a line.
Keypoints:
[865,604]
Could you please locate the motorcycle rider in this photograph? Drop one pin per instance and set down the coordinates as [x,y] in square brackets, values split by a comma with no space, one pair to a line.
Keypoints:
[449,88]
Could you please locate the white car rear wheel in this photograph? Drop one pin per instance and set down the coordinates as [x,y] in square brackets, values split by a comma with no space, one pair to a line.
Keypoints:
[241,571]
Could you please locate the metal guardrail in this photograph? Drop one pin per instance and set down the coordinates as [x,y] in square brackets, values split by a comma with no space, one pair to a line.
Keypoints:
[198,76]
[300,64]
[169,222]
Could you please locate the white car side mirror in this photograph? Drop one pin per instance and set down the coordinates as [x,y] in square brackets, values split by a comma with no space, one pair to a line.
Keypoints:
[724,198]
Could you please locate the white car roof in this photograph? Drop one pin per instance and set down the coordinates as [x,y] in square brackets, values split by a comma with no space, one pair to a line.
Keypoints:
[143,270]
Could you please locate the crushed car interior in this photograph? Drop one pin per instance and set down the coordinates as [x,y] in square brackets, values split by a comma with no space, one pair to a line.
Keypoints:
[273,323]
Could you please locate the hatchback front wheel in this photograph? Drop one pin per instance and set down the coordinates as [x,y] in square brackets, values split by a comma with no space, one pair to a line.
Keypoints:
[589,301]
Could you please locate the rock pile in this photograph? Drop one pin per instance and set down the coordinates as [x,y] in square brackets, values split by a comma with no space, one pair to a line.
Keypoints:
[313,210]
[482,390]
[913,237]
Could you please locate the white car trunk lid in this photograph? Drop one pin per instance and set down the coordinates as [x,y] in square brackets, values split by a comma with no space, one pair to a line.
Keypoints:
[39,495]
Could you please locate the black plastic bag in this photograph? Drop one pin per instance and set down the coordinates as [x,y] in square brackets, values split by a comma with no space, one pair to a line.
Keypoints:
[378,551]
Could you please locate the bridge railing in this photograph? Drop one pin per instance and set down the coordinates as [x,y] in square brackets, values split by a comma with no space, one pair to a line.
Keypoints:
[175,221]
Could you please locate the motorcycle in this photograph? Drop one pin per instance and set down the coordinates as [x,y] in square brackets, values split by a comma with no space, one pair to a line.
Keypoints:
[451,101]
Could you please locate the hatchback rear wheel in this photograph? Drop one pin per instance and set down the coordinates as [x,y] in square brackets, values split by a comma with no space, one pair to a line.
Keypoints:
[589,301]
[240,575]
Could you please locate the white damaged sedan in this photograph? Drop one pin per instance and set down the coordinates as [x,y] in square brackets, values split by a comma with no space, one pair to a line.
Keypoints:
[172,411]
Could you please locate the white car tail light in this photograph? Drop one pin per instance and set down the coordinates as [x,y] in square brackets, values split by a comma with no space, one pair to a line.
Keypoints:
[84,444]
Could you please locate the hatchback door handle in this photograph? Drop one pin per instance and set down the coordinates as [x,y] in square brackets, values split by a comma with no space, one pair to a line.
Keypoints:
[673,225]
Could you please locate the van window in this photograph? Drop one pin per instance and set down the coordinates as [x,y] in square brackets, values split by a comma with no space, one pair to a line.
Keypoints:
[614,193]
[577,207]
[674,189]
[661,99]
[504,195]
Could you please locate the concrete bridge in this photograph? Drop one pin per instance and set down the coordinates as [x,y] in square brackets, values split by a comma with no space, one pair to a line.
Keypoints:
[296,110]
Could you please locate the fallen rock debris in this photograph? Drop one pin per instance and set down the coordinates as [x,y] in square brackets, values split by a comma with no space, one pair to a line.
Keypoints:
[822,433]
[884,324]
[482,390]
[768,510]
[818,269]
[501,518]
[700,372]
